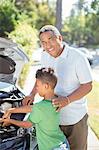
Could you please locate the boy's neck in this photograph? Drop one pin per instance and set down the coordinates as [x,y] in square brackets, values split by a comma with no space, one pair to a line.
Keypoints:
[50,95]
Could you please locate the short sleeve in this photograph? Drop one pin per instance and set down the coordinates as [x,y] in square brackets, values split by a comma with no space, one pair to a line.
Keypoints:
[35,116]
[83,70]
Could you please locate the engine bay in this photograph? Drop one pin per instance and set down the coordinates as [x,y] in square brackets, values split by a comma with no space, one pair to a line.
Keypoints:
[8,100]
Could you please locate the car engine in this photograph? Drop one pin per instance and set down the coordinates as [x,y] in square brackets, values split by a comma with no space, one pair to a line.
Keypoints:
[9,100]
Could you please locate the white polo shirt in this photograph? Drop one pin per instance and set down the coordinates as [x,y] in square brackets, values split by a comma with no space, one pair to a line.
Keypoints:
[72,69]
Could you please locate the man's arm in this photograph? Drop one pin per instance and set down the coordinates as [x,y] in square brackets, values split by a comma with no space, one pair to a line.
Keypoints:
[30,98]
[83,90]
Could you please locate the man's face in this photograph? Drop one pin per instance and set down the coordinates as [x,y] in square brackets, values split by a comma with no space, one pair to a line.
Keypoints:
[51,43]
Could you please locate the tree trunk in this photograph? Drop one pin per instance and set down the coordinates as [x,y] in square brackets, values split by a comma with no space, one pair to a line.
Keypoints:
[59,14]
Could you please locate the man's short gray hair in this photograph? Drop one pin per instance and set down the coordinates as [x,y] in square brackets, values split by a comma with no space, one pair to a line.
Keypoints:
[49,28]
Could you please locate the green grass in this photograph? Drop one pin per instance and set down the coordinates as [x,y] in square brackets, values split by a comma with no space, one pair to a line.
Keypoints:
[93,107]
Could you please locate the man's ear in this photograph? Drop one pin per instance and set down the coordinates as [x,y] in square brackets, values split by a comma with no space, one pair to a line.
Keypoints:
[60,38]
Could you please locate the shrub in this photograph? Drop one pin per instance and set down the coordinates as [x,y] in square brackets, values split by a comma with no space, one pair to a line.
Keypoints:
[26,36]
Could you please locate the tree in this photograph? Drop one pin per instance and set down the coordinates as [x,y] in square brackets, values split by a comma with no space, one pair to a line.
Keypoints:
[82,27]
[26,36]
[38,12]
[92,23]
[8,17]
[46,15]
[80,6]
[95,6]
[59,14]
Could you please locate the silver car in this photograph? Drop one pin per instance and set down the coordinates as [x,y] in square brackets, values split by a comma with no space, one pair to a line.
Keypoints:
[12,60]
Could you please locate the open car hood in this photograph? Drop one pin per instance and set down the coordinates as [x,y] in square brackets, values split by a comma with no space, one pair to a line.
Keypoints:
[12,60]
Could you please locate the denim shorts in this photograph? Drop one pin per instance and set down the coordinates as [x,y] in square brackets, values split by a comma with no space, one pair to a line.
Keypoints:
[63,146]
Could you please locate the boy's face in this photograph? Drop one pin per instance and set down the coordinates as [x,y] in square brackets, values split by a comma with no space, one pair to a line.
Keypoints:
[41,87]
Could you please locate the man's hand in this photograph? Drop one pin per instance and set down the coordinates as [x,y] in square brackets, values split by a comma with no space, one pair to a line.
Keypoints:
[60,102]
[27,100]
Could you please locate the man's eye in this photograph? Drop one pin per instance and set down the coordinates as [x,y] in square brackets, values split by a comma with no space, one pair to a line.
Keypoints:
[44,42]
[51,38]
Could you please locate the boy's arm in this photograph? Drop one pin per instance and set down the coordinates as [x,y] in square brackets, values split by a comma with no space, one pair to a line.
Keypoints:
[22,109]
[23,124]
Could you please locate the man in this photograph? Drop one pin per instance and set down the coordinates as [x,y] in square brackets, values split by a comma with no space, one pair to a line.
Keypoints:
[74,83]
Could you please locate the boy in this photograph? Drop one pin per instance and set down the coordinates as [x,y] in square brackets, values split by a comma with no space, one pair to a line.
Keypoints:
[43,114]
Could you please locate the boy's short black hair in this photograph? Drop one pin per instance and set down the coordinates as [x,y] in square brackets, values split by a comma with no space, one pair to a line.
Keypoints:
[46,75]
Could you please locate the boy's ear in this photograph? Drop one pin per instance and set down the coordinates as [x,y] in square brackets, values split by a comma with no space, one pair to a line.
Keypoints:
[46,85]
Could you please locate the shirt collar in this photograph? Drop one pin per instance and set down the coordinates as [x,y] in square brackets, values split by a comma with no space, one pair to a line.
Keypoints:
[65,51]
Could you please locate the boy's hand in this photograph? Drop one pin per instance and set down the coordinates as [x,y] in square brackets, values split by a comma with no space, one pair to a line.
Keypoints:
[1,120]
[6,122]
[6,114]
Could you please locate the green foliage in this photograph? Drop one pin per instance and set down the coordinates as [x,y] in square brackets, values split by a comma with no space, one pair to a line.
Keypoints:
[92,22]
[8,16]
[82,27]
[46,15]
[14,11]
[19,20]
[29,9]
[80,6]
[75,28]
[26,36]
[95,6]
[38,14]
